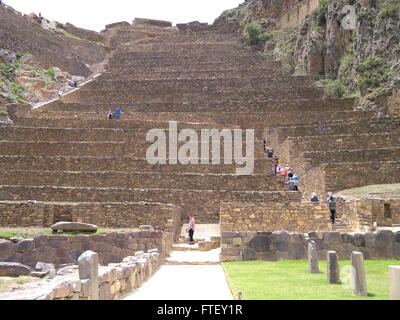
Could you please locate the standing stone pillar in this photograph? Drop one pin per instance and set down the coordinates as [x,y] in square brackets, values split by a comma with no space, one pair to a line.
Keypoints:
[394,282]
[358,279]
[333,268]
[88,265]
[312,257]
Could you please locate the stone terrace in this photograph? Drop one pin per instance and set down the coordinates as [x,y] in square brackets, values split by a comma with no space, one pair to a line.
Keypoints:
[67,156]
[67,153]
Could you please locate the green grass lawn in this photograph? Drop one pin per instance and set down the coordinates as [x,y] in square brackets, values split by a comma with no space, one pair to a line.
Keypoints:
[290,280]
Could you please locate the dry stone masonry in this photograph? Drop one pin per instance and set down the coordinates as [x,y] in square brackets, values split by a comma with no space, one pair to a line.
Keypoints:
[282,245]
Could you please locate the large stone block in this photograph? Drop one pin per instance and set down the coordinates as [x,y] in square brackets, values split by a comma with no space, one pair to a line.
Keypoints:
[267,256]
[316,235]
[297,251]
[359,280]
[25,246]
[332,237]
[14,269]
[397,237]
[6,249]
[333,268]
[359,239]
[394,282]
[260,243]
[226,234]
[384,237]
[347,238]
[312,257]
[249,254]
[88,266]
[280,240]
[231,251]
[73,226]
[396,250]
[40,241]
[370,239]
[298,238]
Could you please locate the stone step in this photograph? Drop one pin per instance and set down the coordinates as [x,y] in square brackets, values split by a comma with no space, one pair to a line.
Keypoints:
[311,159]
[128,119]
[146,121]
[136,148]
[124,164]
[116,179]
[193,85]
[114,96]
[296,145]
[194,257]
[263,74]
[361,126]
[223,104]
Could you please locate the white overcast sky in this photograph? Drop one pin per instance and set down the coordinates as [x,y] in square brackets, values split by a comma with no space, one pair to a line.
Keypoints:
[94,15]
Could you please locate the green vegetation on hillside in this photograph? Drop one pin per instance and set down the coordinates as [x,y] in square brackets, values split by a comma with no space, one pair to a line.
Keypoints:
[332,88]
[373,72]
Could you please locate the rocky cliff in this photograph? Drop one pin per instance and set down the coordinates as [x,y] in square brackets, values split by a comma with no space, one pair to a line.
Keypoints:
[362,62]
[41,58]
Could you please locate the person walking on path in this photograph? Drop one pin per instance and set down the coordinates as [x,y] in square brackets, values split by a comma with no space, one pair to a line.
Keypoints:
[110,114]
[332,208]
[270,152]
[292,185]
[265,144]
[276,163]
[192,225]
[314,197]
[117,113]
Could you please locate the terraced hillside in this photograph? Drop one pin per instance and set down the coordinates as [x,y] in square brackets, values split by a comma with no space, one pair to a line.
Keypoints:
[77,164]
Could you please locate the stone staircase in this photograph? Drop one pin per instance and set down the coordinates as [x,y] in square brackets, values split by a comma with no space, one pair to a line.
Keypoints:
[340,226]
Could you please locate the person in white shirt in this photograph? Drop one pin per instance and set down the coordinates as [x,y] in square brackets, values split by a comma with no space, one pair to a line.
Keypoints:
[192,225]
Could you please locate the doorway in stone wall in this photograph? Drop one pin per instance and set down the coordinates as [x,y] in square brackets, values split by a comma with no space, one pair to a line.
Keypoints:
[387,211]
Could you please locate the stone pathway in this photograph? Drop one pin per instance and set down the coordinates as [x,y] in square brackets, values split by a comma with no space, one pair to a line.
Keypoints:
[188,274]
[185,282]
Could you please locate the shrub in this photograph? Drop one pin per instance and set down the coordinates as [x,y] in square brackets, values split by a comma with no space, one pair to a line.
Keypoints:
[391,9]
[322,9]
[252,34]
[332,88]
[372,74]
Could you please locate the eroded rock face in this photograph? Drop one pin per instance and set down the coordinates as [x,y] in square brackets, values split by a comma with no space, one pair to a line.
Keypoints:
[5,121]
[74,226]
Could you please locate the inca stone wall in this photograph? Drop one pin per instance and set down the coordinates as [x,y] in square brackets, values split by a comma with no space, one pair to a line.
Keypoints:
[365,213]
[271,216]
[108,215]
[58,249]
[333,177]
[282,245]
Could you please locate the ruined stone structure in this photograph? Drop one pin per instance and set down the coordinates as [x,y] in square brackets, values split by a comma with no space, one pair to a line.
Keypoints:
[79,166]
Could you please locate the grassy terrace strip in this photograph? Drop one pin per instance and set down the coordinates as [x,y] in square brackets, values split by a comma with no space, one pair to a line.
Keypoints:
[31,232]
[290,280]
